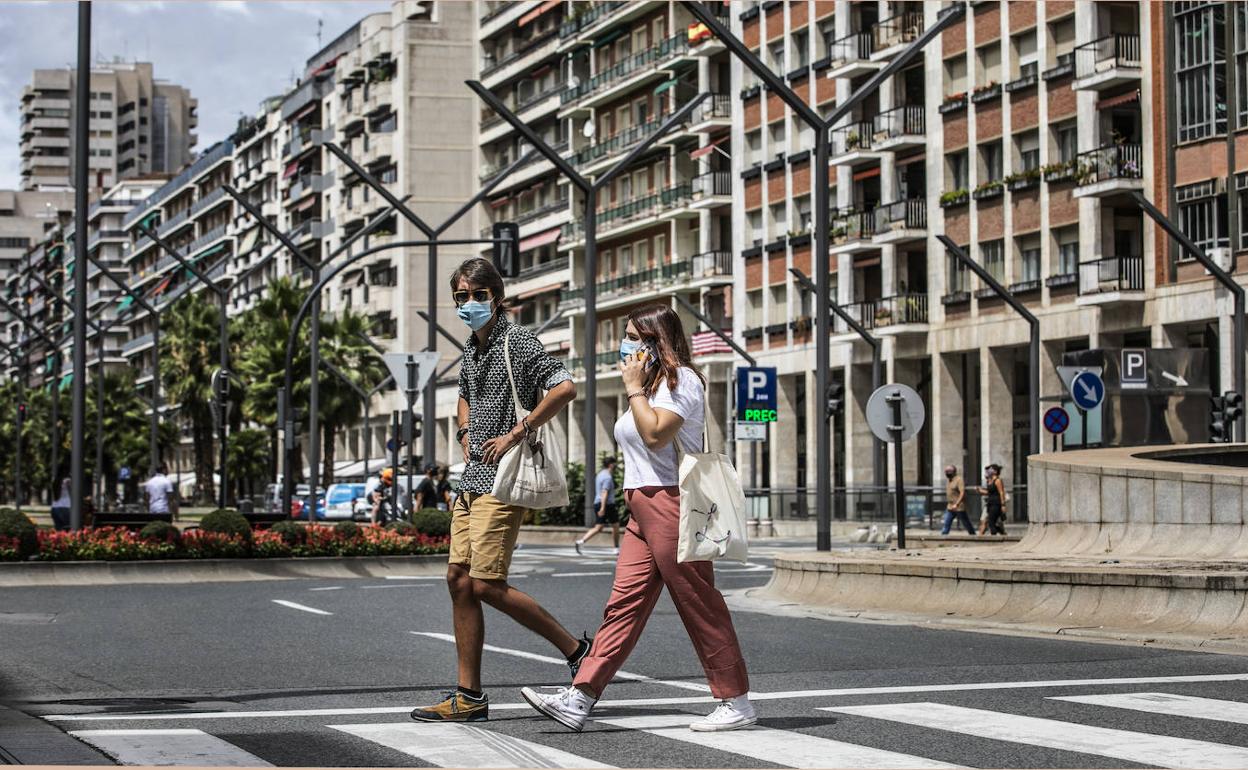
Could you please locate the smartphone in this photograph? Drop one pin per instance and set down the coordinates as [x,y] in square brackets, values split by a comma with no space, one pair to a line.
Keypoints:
[645,354]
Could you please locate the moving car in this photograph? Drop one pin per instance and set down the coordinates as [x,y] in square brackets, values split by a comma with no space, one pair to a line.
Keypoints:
[341,500]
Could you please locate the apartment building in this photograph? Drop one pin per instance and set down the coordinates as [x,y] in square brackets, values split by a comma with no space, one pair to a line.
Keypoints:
[138,126]
[25,218]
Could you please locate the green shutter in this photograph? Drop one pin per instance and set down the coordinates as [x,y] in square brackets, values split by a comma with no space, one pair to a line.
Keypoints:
[664,86]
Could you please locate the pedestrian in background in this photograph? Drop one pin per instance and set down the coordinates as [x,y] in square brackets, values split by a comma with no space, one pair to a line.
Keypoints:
[443,491]
[426,495]
[604,506]
[161,497]
[994,499]
[666,404]
[955,502]
[60,507]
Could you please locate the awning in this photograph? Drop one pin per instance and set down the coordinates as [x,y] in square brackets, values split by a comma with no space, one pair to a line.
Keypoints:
[610,37]
[162,286]
[1114,101]
[539,291]
[665,86]
[541,239]
[499,202]
[220,247]
[537,73]
[538,11]
[248,241]
[147,220]
[307,203]
[868,174]
[698,153]
[125,303]
[291,170]
[66,380]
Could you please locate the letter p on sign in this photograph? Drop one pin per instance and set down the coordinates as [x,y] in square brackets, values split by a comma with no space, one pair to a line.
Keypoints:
[757,385]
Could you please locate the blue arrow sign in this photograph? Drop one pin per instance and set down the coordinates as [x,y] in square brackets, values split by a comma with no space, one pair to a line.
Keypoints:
[1056,420]
[1087,390]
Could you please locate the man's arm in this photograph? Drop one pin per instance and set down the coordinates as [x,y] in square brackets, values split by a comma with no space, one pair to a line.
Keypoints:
[961,496]
[461,421]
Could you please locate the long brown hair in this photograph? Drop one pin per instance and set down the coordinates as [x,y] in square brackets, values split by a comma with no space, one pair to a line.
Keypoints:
[661,329]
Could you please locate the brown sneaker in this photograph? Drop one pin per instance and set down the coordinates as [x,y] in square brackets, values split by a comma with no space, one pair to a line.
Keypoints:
[455,707]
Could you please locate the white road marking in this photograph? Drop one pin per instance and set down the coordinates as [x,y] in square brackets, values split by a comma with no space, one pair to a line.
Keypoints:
[327,588]
[463,745]
[1147,749]
[562,662]
[401,585]
[580,574]
[791,749]
[629,702]
[169,747]
[1171,705]
[303,607]
[415,577]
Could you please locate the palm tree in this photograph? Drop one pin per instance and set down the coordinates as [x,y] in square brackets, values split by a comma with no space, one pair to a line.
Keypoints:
[188,354]
[249,458]
[126,426]
[342,346]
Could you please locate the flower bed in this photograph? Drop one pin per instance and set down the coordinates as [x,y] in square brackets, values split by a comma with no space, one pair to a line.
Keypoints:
[120,544]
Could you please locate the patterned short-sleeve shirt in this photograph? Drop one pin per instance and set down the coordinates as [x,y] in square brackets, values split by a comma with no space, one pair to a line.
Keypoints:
[483,384]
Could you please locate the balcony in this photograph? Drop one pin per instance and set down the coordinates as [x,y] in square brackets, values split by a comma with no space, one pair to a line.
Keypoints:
[711,189]
[1107,62]
[1111,280]
[208,201]
[588,16]
[136,345]
[710,264]
[852,145]
[851,232]
[308,184]
[1063,67]
[205,240]
[851,56]
[1109,170]
[174,223]
[306,139]
[625,289]
[901,221]
[891,34]
[899,128]
[714,112]
[603,362]
[616,144]
[541,268]
[898,314]
[637,213]
[630,72]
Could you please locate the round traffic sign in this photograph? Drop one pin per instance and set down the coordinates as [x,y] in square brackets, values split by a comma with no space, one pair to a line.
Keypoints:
[1087,390]
[1056,420]
[881,412]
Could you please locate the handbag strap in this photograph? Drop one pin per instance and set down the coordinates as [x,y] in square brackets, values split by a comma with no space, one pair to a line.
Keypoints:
[706,440]
[515,398]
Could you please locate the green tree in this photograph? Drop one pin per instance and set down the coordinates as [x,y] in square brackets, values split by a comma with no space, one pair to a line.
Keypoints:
[340,405]
[249,458]
[127,426]
[188,355]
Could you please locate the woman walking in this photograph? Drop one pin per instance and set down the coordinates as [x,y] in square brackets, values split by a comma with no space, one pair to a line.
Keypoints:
[994,499]
[666,403]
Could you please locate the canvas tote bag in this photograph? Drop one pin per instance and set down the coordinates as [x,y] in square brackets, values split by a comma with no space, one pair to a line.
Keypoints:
[530,474]
[712,506]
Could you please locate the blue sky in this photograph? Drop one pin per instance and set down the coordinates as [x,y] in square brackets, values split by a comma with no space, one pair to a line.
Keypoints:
[230,54]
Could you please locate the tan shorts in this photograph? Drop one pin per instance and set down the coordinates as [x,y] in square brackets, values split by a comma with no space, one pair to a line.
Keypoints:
[483,534]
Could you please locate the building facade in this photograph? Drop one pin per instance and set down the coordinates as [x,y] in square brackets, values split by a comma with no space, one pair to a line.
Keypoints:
[138,126]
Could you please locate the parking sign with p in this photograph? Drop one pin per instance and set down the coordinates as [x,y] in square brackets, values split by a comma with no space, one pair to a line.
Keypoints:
[1134,368]
[756,394]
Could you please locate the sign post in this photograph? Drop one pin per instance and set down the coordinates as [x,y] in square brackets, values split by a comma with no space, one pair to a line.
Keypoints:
[1056,421]
[895,414]
[756,407]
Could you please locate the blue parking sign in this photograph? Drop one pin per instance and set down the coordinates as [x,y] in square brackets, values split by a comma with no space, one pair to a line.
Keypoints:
[756,394]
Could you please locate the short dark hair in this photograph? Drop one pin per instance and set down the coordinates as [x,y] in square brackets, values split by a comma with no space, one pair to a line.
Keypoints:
[162,468]
[608,461]
[481,272]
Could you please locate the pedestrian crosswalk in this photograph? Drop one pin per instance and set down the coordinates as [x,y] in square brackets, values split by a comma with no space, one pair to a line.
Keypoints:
[517,739]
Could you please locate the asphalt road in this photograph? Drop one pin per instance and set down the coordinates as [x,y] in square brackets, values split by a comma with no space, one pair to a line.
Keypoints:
[323,673]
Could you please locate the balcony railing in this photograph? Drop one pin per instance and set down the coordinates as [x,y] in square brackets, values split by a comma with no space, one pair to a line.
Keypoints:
[618,142]
[854,137]
[136,343]
[601,361]
[1111,274]
[851,226]
[587,17]
[1115,161]
[711,263]
[890,311]
[706,265]
[897,30]
[214,234]
[549,266]
[670,48]
[910,214]
[900,121]
[712,183]
[208,200]
[490,66]
[856,46]
[638,208]
[715,106]
[1107,53]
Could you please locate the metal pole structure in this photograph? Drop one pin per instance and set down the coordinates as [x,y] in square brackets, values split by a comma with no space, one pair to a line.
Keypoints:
[394,464]
[77,472]
[99,425]
[1033,376]
[822,126]
[366,398]
[895,400]
[30,326]
[1224,278]
[590,190]
[408,420]
[55,443]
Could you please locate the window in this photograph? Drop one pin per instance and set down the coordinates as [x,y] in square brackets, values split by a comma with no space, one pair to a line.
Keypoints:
[956,275]
[827,34]
[779,219]
[1028,257]
[754,308]
[988,61]
[1067,251]
[641,250]
[1199,62]
[1066,137]
[1241,63]
[801,48]
[959,172]
[1200,215]
[776,138]
[660,248]
[1025,55]
[778,312]
[756,228]
[803,214]
[955,75]
[1061,39]
[776,51]
[1028,150]
[753,148]
[1241,194]
[626,260]
[990,157]
[992,257]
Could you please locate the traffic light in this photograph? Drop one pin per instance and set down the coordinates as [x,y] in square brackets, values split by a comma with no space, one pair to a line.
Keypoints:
[1220,427]
[416,420]
[507,248]
[836,400]
[21,414]
[1232,411]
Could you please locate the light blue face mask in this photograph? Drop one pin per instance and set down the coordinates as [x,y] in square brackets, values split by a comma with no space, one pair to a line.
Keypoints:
[628,347]
[475,314]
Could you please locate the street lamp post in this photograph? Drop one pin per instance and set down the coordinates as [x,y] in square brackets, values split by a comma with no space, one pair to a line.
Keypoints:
[77,472]
[822,127]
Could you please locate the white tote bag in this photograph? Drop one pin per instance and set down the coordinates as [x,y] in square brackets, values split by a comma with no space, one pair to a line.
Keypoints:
[712,506]
[530,474]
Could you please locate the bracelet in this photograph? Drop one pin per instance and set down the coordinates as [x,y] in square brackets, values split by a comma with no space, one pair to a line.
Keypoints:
[459,434]
[527,429]
[636,393]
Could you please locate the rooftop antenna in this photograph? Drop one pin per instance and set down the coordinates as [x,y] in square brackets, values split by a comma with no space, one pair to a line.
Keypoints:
[320,24]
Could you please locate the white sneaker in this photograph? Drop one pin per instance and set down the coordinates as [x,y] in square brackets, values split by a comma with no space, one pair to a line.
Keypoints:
[569,707]
[728,715]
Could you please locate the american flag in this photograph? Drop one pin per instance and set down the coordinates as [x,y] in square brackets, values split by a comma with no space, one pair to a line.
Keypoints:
[705,343]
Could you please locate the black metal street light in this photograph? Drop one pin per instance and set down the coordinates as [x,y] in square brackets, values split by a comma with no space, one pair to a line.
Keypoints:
[589,189]
[82,107]
[822,127]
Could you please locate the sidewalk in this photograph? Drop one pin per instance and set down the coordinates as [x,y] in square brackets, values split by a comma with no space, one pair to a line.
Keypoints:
[27,740]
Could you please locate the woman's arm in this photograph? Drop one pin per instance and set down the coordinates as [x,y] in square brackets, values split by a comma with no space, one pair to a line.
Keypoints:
[657,427]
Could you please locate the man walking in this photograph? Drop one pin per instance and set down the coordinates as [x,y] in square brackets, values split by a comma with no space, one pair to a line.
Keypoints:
[484,528]
[955,502]
[604,506]
[161,496]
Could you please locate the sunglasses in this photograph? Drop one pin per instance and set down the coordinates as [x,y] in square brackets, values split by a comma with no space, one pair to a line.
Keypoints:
[478,295]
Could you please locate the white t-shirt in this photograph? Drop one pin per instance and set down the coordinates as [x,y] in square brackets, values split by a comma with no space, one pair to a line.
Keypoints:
[644,468]
[159,487]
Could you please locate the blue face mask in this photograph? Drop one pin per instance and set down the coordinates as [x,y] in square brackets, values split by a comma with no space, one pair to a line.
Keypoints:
[628,347]
[475,314]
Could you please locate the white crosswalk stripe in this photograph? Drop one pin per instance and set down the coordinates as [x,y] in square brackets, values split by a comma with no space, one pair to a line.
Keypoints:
[780,746]
[1131,746]
[1169,704]
[462,745]
[169,747]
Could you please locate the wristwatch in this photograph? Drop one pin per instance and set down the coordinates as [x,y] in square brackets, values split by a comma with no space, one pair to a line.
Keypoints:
[459,434]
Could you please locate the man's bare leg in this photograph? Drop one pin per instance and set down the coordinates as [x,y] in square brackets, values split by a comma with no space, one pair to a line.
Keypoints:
[469,623]
[521,608]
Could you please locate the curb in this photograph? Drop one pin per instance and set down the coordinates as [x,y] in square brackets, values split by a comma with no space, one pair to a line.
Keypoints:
[27,740]
[80,573]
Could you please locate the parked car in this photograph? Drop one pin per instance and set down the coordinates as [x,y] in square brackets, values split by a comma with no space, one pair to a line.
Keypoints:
[341,499]
[303,496]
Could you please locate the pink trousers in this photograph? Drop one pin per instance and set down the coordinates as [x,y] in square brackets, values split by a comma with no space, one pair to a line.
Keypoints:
[647,562]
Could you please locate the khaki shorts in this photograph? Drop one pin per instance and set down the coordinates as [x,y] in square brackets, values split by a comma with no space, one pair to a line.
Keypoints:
[483,534]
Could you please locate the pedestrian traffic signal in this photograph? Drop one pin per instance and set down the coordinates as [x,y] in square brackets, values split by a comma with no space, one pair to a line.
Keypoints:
[1220,425]
[1232,411]
[416,420]
[507,248]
